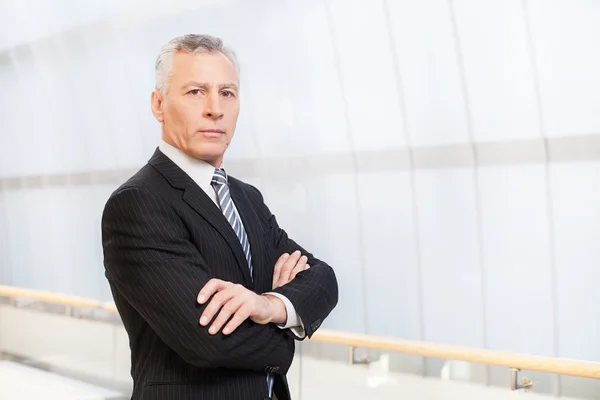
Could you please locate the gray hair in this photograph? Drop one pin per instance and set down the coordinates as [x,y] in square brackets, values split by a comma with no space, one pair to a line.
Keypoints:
[191,44]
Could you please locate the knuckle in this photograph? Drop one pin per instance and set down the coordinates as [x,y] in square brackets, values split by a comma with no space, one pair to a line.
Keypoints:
[225,314]
[212,309]
[221,316]
[247,308]
[218,298]
[238,287]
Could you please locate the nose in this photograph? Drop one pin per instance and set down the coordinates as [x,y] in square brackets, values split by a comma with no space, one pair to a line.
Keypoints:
[212,107]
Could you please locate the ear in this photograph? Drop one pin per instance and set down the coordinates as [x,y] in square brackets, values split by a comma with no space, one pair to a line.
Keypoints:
[157,102]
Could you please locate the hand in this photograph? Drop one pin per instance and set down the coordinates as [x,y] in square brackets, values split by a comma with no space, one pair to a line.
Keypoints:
[238,303]
[287,267]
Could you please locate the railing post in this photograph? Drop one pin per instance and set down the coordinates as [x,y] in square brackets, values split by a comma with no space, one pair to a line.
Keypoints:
[352,357]
[525,383]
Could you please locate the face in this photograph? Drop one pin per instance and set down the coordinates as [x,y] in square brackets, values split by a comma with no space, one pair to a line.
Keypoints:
[200,111]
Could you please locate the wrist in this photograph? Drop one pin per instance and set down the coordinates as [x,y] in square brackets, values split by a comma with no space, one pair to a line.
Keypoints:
[278,310]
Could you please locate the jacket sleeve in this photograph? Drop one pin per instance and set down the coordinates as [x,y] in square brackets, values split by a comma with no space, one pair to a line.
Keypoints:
[156,268]
[314,292]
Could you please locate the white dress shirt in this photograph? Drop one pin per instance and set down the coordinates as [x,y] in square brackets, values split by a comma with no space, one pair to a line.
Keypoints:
[202,173]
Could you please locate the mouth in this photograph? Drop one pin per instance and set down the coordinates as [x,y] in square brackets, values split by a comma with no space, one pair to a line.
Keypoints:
[212,133]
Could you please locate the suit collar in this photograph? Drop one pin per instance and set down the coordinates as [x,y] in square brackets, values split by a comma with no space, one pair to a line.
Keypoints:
[199,171]
[171,171]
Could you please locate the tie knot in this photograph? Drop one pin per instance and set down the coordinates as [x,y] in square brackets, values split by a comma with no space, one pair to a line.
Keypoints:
[219,177]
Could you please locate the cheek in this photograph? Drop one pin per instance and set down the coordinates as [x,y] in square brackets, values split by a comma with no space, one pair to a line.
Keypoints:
[233,117]
[179,117]
[171,115]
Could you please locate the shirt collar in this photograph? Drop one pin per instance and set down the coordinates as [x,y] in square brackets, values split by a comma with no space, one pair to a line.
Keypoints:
[200,171]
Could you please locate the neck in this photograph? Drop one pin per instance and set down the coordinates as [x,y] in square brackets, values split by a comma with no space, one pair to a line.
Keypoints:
[215,162]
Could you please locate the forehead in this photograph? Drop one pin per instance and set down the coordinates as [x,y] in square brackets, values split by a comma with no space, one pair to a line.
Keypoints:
[203,67]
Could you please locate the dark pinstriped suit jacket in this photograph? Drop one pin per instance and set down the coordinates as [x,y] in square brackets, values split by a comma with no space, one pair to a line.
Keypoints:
[163,239]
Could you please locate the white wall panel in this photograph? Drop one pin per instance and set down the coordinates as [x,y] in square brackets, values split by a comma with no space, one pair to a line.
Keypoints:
[498,69]
[450,255]
[391,259]
[21,254]
[427,52]
[576,193]
[563,35]
[362,39]
[517,254]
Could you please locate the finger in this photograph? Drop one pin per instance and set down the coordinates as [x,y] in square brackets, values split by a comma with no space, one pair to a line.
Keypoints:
[239,317]
[228,309]
[277,271]
[288,267]
[211,287]
[300,266]
[215,305]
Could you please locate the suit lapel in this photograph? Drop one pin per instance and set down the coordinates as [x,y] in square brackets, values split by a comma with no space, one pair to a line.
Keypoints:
[204,206]
[251,225]
[195,197]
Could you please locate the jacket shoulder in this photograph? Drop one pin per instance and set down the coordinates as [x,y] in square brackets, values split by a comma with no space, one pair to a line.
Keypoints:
[246,188]
[146,180]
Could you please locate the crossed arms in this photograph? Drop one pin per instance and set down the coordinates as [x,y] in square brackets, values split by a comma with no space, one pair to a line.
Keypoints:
[159,272]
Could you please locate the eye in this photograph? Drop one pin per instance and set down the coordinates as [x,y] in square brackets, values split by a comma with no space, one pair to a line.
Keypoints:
[194,92]
[228,93]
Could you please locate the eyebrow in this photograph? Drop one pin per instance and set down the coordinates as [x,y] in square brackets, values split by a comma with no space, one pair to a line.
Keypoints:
[205,85]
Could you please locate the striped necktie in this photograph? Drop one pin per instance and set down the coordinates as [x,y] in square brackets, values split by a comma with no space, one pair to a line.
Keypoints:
[221,186]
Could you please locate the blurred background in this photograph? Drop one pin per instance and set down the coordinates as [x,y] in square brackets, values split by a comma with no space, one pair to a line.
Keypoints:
[441,155]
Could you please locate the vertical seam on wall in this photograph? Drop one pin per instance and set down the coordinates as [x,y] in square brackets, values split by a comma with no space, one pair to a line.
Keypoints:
[411,170]
[7,237]
[22,188]
[478,212]
[548,186]
[359,213]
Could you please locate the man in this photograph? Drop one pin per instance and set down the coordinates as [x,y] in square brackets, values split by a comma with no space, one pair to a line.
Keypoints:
[212,292]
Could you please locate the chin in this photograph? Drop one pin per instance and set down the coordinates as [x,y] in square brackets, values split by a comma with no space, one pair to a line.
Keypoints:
[208,156]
